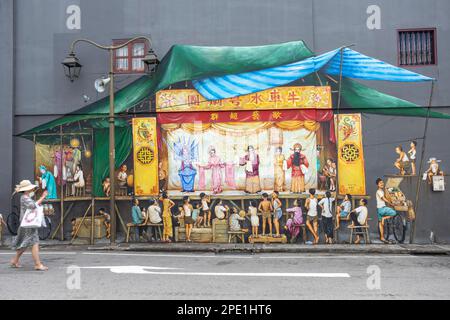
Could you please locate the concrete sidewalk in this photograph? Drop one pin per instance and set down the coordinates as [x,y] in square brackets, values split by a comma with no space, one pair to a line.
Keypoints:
[280,248]
[374,248]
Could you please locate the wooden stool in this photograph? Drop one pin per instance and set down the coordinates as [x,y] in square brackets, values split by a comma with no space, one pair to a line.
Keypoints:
[129,226]
[336,232]
[303,231]
[80,191]
[364,232]
[68,188]
[122,191]
[236,235]
[157,228]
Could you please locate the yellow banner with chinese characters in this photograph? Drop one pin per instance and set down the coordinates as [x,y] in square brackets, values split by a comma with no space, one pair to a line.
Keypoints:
[145,155]
[306,97]
[351,174]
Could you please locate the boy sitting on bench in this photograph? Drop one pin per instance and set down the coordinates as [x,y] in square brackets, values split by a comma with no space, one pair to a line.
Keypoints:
[359,218]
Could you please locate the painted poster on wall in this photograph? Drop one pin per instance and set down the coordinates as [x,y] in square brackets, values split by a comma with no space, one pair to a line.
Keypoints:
[145,157]
[350,154]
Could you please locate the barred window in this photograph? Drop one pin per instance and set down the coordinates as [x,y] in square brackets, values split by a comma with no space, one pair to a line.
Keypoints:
[417,47]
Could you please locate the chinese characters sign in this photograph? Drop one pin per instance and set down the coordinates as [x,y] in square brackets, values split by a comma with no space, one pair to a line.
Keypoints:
[276,98]
[145,157]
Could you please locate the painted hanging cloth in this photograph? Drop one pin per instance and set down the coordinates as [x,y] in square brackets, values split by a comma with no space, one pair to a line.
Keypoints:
[230,179]
[354,65]
[48,183]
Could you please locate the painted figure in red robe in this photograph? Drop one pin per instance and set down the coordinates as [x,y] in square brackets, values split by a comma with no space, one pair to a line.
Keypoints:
[299,164]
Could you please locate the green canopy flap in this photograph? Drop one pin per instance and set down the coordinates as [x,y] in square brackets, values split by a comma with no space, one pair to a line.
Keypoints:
[124,145]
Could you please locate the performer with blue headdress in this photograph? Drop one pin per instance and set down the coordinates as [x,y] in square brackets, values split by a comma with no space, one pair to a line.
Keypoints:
[48,182]
[187,153]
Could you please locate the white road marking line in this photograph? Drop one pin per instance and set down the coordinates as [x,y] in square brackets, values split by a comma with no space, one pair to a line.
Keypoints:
[41,252]
[144,270]
[340,257]
[166,255]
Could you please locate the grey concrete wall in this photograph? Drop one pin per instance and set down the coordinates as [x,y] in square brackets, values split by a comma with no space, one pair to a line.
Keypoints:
[42,40]
[6,101]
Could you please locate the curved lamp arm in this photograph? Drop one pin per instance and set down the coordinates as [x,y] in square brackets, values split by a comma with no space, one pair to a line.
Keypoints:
[72,46]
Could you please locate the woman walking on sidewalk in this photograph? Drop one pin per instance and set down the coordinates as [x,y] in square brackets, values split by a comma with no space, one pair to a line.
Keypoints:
[27,237]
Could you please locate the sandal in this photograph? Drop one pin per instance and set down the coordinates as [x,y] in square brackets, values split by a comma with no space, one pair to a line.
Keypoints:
[15,265]
[384,241]
[41,268]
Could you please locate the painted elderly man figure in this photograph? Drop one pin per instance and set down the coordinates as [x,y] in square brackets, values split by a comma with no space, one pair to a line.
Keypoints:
[48,183]
[251,163]
[299,164]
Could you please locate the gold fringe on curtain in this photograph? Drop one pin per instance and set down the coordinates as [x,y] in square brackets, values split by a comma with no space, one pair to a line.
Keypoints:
[243,127]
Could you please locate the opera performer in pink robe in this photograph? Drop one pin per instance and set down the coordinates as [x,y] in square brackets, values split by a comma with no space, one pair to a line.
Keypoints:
[216,165]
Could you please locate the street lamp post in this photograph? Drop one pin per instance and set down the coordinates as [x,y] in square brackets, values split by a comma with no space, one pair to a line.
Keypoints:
[72,68]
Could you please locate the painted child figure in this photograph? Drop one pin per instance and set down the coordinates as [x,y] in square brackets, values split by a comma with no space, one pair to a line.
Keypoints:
[221,210]
[266,208]
[102,212]
[343,210]
[106,185]
[205,211]
[254,219]
[196,215]
[295,221]
[359,218]
[326,204]
[277,212]
[312,220]
[187,215]
[402,162]
[235,219]
[412,156]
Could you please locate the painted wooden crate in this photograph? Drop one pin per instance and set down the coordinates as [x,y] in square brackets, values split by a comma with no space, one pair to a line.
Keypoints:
[85,229]
[220,228]
[202,235]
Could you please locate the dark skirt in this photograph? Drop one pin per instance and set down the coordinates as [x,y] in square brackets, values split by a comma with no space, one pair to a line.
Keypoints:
[188,220]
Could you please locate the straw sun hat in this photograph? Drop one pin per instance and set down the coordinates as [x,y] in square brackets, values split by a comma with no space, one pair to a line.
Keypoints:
[25,185]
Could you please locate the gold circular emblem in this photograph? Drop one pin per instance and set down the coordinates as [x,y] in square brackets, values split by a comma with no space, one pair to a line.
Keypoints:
[350,152]
[145,155]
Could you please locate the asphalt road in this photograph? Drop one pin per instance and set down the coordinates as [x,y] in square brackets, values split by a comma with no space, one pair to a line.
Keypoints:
[120,275]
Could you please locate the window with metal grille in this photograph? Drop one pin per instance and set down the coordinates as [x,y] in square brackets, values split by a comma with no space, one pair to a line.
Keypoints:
[129,58]
[417,47]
